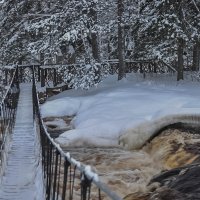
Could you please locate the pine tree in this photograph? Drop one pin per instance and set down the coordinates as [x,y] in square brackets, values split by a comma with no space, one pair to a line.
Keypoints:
[121,72]
[169,28]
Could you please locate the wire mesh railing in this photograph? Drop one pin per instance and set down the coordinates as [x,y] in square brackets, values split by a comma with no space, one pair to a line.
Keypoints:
[64,177]
[8,107]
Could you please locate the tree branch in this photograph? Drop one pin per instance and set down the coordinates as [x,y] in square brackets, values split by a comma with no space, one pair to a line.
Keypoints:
[196,5]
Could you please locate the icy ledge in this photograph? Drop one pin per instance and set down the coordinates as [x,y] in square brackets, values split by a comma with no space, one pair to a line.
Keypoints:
[136,137]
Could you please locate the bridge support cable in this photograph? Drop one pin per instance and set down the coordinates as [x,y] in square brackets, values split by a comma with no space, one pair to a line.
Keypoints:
[66,178]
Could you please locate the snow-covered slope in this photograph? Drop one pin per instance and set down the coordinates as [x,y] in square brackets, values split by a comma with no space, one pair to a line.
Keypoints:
[105,113]
[136,137]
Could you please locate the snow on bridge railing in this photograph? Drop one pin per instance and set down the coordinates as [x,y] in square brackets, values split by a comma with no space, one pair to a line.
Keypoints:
[66,178]
[8,106]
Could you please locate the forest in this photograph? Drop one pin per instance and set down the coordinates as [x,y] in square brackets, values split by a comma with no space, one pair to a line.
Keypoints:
[97,31]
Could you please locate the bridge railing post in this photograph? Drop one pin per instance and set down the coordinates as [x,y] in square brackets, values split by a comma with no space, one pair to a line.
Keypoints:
[39,74]
[42,77]
[85,187]
[55,174]
[54,77]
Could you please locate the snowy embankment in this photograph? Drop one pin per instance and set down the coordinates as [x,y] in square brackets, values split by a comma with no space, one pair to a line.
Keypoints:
[105,113]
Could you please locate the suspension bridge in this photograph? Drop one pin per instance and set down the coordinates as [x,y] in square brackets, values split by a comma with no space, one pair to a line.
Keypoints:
[32,165]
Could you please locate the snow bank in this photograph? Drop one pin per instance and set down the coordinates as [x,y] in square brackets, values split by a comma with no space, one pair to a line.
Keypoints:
[105,113]
[60,107]
[136,137]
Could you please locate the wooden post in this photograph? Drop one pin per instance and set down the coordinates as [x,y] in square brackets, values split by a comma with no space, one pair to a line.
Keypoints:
[120,11]
[39,74]
[196,56]
[42,77]
[54,77]
[17,77]
[6,76]
[11,73]
[45,72]
[155,67]
[21,74]
[141,68]
[180,59]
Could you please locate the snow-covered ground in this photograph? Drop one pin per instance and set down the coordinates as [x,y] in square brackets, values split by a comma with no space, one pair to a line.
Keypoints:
[105,113]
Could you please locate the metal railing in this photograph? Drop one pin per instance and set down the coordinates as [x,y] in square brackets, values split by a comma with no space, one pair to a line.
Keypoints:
[142,66]
[64,177]
[57,73]
[8,107]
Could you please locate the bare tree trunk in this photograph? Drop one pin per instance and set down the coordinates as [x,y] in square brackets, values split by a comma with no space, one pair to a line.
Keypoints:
[72,59]
[121,72]
[42,58]
[180,59]
[196,56]
[109,48]
[39,6]
[94,34]
[95,47]
[181,44]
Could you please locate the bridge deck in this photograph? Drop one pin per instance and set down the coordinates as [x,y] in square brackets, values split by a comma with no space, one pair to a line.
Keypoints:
[21,180]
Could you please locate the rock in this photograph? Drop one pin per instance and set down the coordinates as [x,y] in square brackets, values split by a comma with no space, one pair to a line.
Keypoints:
[58,125]
[137,196]
[165,193]
[42,97]
[179,184]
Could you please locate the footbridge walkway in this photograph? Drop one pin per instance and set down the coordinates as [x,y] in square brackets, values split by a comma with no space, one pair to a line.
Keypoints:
[21,174]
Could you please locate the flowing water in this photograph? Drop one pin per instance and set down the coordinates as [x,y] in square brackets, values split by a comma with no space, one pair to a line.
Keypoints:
[128,173]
